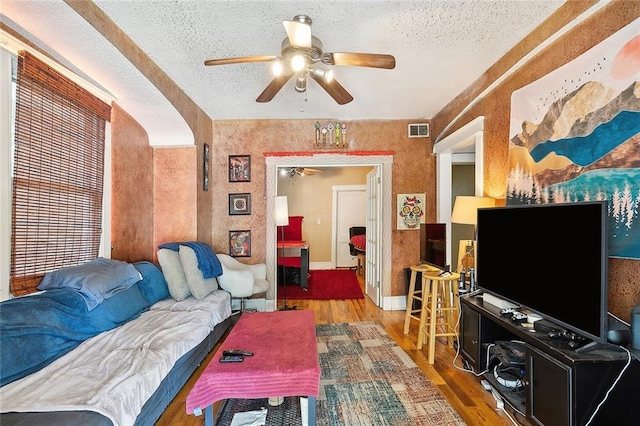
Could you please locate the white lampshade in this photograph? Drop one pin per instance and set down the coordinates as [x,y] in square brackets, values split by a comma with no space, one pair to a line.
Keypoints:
[282,211]
[465,209]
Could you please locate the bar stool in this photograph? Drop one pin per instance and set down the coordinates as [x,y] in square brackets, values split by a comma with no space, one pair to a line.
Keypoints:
[439,314]
[415,295]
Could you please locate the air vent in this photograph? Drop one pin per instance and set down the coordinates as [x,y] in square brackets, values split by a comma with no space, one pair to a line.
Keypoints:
[420,130]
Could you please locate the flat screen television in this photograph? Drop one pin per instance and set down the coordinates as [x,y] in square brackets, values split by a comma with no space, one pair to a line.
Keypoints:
[433,244]
[549,258]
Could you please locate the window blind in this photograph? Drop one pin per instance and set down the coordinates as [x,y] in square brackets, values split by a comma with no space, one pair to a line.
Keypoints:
[58,174]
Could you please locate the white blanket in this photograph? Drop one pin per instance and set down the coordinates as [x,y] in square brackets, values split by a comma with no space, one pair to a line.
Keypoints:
[116,372]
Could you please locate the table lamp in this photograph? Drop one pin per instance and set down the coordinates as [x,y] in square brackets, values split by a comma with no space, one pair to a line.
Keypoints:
[465,212]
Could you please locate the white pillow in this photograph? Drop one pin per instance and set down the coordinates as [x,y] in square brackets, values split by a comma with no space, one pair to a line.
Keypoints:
[198,285]
[174,274]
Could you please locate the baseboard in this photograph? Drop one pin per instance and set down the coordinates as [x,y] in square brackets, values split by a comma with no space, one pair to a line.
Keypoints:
[320,265]
[394,303]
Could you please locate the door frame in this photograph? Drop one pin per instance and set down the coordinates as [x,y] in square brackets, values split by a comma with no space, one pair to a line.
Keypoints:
[335,190]
[465,145]
[343,159]
[371,277]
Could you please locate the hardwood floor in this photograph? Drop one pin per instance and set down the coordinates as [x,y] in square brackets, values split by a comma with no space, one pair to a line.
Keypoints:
[462,389]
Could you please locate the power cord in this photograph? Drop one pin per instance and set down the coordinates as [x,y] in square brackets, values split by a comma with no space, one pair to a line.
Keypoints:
[485,384]
[613,385]
[457,337]
[500,402]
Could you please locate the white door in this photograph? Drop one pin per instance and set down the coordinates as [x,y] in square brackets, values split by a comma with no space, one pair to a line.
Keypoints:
[374,232]
[350,204]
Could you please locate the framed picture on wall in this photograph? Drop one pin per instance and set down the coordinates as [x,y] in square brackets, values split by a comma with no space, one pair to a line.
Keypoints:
[239,168]
[239,204]
[205,167]
[411,208]
[240,243]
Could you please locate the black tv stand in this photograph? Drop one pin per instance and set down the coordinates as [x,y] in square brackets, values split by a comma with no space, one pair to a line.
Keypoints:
[574,341]
[561,385]
[590,346]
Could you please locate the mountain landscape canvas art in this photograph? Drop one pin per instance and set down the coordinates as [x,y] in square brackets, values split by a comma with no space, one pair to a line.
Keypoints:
[575,136]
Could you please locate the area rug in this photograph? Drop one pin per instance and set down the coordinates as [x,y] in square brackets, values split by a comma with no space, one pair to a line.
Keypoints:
[325,284]
[367,379]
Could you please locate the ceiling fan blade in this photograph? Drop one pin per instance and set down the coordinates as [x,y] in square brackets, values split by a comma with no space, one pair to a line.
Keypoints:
[334,89]
[239,60]
[372,60]
[308,171]
[299,33]
[273,88]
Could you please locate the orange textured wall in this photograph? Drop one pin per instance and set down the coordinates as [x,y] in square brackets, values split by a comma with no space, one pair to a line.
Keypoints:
[624,274]
[413,171]
[132,204]
[193,115]
[175,194]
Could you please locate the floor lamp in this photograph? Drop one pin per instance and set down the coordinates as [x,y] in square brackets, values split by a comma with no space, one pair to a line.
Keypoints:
[282,220]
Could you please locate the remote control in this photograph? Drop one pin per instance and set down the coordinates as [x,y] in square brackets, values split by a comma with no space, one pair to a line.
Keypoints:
[555,334]
[519,316]
[232,358]
[229,352]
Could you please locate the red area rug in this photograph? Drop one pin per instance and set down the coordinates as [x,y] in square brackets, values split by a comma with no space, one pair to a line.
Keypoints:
[326,284]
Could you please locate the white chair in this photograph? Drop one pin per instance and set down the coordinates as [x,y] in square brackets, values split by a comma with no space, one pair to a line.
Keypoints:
[242,280]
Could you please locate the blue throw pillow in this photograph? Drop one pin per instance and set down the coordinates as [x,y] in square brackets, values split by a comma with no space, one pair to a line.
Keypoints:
[95,280]
[153,285]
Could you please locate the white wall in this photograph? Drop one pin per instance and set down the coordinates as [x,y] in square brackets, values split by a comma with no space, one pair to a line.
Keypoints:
[6,127]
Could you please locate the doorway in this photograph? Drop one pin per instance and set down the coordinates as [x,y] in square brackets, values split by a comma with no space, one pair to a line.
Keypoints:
[464,146]
[350,209]
[384,164]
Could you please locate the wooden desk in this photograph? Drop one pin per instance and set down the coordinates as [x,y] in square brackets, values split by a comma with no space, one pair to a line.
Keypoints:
[303,246]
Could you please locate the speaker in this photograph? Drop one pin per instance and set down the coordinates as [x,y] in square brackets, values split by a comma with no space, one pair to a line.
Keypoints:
[618,332]
[635,328]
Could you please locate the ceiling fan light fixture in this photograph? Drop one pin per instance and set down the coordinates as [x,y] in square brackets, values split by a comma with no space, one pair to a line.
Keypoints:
[277,68]
[299,31]
[328,76]
[324,74]
[298,63]
[291,172]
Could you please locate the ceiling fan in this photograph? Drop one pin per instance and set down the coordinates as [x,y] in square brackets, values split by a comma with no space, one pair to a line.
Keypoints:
[302,56]
[299,171]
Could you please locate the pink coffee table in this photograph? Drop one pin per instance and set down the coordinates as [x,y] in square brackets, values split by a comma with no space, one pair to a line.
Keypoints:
[285,363]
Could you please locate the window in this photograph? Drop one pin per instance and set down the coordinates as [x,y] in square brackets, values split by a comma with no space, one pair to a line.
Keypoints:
[58,174]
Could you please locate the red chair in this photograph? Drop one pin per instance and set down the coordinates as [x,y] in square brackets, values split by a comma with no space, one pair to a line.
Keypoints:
[293,231]
[292,264]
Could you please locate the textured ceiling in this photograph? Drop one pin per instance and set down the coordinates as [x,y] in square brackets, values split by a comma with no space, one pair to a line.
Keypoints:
[440,46]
